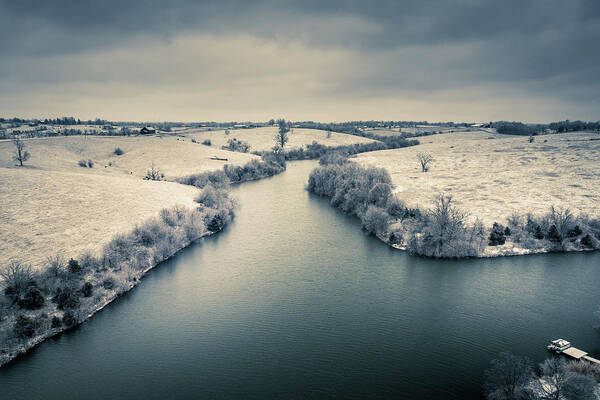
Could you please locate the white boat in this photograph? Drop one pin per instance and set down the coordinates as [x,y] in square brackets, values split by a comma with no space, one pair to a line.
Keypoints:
[559,345]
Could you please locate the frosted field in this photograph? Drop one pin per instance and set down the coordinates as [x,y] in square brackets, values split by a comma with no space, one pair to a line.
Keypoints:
[492,176]
[261,139]
[52,205]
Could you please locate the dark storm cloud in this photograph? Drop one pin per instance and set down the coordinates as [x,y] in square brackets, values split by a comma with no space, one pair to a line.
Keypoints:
[401,22]
[544,47]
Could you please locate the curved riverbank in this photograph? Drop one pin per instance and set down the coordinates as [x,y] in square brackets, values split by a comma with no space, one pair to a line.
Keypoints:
[444,230]
[108,282]
[123,263]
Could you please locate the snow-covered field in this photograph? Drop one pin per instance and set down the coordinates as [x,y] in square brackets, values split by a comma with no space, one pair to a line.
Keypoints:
[53,205]
[261,139]
[492,176]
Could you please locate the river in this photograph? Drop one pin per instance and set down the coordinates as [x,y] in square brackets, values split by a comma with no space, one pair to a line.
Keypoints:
[294,301]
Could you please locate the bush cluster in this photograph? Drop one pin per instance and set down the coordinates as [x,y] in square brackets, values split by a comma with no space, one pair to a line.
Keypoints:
[367,193]
[364,192]
[558,230]
[272,163]
[237,145]
[154,174]
[86,163]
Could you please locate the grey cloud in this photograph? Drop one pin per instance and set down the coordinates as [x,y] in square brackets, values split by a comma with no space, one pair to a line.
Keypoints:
[543,48]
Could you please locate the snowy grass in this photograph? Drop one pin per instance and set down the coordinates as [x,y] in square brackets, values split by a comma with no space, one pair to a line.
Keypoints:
[261,139]
[493,176]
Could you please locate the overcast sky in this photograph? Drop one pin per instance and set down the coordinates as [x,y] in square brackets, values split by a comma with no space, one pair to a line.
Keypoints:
[184,60]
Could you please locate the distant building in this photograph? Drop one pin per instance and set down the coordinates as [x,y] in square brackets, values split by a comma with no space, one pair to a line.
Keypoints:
[147,130]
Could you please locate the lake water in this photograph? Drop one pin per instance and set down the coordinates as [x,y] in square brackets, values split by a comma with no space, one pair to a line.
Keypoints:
[293,301]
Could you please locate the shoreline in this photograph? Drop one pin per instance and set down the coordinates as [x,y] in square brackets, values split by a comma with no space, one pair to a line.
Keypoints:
[15,351]
[24,348]
[506,252]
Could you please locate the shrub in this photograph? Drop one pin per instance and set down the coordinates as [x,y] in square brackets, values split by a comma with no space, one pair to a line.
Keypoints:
[395,237]
[32,300]
[507,231]
[69,319]
[211,197]
[87,289]
[553,234]
[576,231]
[90,164]
[154,174]
[56,265]
[217,179]
[207,142]
[380,194]
[497,235]
[587,241]
[563,220]
[118,151]
[514,221]
[108,283]
[216,223]
[66,298]
[375,220]
[88,261]
[538,233]
[74,266]
[237,145]
[24,327]
[144,235]
[82,163]
[17,279]
[56,323]
[272,164]
[396,208]
[348,185]
[442,233]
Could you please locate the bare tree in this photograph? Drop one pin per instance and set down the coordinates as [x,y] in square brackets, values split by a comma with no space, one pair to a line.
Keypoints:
[424,159]
[21,155]
[558,382]
[563,219]
[553,379]
[508,377]
[580,387]
[154,174]
[16,278]
[282,135]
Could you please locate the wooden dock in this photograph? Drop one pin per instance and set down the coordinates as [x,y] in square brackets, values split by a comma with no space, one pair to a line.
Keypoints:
[574,353]
[578,354]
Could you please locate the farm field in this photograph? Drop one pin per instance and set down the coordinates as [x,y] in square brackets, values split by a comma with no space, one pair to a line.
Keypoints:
[416,130]
[174,156]
[261,139]
[50,212]
[54,205]
[492,176]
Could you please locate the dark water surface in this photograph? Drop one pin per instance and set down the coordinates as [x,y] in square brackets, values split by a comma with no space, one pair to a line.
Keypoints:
[293,301]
